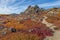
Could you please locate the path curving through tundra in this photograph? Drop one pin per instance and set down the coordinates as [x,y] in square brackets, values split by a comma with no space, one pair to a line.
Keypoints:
[56,35]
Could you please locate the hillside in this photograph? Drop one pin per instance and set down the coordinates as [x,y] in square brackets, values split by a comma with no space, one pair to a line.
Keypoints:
[34,21]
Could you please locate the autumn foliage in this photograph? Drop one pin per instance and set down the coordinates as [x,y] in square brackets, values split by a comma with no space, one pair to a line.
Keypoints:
[20,36]
[27,25]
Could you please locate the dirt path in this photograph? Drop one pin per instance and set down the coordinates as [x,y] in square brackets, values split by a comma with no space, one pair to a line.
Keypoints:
[50,25]
[56,35]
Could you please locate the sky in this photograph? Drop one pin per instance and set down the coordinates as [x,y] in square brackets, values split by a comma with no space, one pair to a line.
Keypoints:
[17,6]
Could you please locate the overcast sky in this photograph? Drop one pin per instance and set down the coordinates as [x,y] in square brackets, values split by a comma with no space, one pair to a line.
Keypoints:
[17,6]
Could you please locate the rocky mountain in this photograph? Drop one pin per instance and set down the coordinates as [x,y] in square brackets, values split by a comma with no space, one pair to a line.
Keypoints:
[34,13]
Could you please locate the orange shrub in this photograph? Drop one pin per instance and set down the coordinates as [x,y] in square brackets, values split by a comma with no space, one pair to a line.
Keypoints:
[21,36]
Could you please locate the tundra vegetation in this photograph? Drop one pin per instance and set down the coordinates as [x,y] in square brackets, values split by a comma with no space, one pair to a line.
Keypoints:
[28,24]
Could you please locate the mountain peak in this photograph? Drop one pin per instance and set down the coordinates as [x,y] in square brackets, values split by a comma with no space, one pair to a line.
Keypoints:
[36,7]
[32,9]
